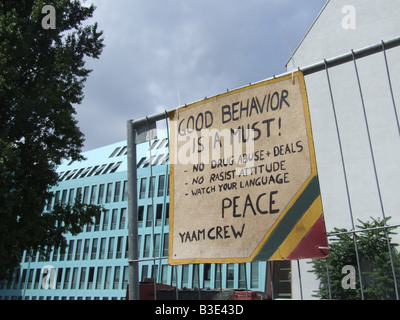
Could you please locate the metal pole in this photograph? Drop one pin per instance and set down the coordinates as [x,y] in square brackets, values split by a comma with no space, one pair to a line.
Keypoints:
[301,286]
[245,277]
[345,180]
[132,214]
[328,278]
[376,178]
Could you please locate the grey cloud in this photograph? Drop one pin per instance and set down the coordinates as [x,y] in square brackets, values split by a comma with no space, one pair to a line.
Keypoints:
[201,48]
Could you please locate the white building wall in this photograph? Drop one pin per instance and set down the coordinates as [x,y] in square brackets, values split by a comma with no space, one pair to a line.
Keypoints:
[375,20]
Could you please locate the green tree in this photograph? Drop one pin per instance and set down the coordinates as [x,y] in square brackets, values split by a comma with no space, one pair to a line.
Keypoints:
[42,75]
[376,268]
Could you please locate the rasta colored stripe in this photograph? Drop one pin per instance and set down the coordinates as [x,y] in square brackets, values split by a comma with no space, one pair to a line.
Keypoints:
[289,221]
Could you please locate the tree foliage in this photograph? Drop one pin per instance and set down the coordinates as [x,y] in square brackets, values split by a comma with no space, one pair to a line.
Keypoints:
[42,75]
[376,268]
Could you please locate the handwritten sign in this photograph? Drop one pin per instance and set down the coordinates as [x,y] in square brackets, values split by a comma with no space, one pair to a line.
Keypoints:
[243,181]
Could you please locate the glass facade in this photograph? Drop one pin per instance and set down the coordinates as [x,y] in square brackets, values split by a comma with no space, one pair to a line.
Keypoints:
[95,264]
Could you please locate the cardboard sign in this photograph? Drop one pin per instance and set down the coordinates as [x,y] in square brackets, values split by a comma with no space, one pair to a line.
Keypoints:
[243,180]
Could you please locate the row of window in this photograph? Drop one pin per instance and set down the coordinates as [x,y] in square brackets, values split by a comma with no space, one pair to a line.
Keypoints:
[58,298]
[110,192]
[151,189]
[116,277]
[73,278]
[105,194]
[104,248]
[88,171]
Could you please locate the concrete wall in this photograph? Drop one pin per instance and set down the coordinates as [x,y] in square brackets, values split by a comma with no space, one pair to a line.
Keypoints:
[329,37]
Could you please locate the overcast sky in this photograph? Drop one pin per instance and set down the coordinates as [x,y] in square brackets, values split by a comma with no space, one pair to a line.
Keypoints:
[157,48]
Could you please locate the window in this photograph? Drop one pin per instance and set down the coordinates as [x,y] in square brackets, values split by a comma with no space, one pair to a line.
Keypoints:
[167,214]
[119,247]
[93,194]
[74,278]
[105,220]
[164,274]
[151,187]
[157,240]
[165,245]
[30,278]
[185,275]
[126,278]
[114,152]
[78,249]
[115,167]
[254,274]
[94,249]
[23,280]
[117,272]
[49,201]
[99,170]
[79,193]
[242,275]
[127,246]
[122,151]
[122,218]
[145,271]
[159,214]
[70,249]
[111,244]
[55,255]
[86,249]
[85,194]
[78,173]
[102,248]
[218,283]
[108,168]
[196,276]
[93,170]
[161,181]
[117,191]
[71,196]
[101,194]
[66,278]
[142,193]
[64,197]
[59,278]
[207,275]
[125,191]
[57,197]
[85,172]
[107,278]
[90,278]
[97,223]
[70,175]
[82,278]
[109,190]
[154,271]
[230,275]
[114,217]
[140,216]
[147,243]
[140,163]
[99,277]
[149,218]
[62,256]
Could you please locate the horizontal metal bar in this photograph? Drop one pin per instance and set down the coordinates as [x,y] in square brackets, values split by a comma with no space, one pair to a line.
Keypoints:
[348,57]
[361,230]
[148,259]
